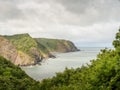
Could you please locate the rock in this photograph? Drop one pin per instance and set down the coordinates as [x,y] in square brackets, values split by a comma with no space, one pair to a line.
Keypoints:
[23,50]
[8,50]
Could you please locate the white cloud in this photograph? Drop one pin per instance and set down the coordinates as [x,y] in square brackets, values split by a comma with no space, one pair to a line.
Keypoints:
[53,20]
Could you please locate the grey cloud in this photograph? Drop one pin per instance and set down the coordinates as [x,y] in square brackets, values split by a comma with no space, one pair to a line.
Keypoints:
[76,6]
[9,10]
[76,20]
[80,6]
[93,11]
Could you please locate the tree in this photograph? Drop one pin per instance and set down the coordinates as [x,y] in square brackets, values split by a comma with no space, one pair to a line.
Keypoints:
[116,42]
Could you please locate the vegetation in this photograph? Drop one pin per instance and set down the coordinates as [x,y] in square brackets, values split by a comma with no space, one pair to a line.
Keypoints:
[102,74]
[42,48]
[13,78]
[27,48]
[56,45]
[31,51]
[23,42]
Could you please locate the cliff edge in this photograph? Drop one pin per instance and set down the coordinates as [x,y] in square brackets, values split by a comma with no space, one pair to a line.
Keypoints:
[22,49]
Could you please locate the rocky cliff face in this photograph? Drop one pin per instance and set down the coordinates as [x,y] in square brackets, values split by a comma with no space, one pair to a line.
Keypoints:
[7,49]
[27,48]
[22,49]
[66,46]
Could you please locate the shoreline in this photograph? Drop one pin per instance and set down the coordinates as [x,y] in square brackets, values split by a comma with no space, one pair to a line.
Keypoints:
[52,55]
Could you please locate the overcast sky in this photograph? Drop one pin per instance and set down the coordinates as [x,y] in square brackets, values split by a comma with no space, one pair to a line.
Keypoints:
[85,22]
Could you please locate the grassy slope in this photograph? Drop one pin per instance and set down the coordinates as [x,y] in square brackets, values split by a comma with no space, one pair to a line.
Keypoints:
[56,44]
[32,50]
[25,45]
[23,42]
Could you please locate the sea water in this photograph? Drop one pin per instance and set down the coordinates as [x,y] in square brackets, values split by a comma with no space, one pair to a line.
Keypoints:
[49,67]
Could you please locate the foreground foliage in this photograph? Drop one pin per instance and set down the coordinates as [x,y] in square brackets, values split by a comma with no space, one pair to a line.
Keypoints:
[102,74]
[13,78]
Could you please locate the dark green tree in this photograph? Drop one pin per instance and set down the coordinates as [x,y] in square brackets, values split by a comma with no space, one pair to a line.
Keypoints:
[116,42]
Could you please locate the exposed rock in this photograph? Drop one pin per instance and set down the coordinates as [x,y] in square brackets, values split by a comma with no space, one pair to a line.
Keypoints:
[23,59]
[27,47]
[23,50]
[52,56]
[8,50]
[36,54]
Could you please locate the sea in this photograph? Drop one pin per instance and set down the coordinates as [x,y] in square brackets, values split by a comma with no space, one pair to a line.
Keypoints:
[50,67]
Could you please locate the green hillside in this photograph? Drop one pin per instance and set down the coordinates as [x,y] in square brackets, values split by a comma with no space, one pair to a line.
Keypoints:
[28,48]
[57,45]
[23,42]
[31,51]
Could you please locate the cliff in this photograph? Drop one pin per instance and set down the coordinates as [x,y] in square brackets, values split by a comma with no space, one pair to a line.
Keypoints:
[11,51]
[22,49]
[57,45]
[27,49]
[7,49]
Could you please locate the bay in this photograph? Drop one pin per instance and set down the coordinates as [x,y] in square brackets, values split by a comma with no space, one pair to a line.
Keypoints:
[49,67]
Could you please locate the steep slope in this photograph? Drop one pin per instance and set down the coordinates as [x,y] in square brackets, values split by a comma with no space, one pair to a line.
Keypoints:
[57,45]
[13,78]
[22,49]
[27,49]
[12,53]
[8,50]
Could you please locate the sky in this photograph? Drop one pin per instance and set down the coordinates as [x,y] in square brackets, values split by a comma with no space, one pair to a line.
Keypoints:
[85,22]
